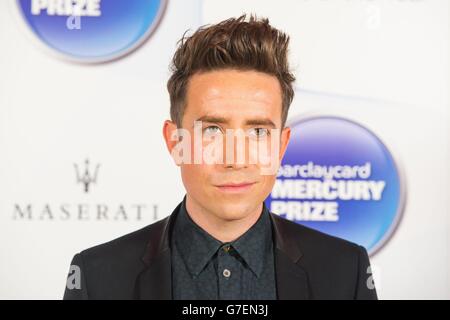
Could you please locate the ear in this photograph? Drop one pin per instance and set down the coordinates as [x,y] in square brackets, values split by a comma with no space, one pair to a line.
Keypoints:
[285,136]
[170,134]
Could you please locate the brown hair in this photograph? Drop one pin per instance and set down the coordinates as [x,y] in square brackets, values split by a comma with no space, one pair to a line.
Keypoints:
[236,44]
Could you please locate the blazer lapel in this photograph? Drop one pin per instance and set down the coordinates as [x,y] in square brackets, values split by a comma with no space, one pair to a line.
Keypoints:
[155,281]
[292,280]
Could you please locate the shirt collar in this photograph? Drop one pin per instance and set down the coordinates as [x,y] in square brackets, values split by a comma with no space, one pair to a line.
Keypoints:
[197,247]
[255,245]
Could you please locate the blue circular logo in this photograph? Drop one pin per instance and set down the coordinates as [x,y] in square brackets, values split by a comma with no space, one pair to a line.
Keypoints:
[339,178]
[92,30]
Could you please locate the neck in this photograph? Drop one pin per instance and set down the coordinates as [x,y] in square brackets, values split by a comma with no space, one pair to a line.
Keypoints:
[221,229]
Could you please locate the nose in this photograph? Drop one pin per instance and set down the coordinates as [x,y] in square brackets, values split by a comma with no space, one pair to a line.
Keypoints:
[236,151]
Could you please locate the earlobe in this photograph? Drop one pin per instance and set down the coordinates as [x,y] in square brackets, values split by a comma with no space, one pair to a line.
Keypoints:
[285,137]
[170,135]
[169,131]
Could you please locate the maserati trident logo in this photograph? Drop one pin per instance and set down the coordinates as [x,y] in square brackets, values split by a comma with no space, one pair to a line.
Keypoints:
[108,208]
[85,177]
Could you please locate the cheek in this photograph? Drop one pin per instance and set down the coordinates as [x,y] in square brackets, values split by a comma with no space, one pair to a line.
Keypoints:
[267,183]
[265,152]
[194,177]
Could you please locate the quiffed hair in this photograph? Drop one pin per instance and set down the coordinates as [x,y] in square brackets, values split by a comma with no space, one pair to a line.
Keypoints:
[231,44]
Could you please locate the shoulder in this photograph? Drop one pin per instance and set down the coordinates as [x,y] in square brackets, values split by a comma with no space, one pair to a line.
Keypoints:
[109,270]
[336,268]
[317,244]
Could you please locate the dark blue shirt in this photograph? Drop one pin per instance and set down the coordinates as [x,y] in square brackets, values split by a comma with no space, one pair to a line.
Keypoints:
[205,268]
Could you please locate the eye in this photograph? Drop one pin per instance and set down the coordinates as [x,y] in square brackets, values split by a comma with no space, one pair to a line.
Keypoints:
[258,132]
[212,130]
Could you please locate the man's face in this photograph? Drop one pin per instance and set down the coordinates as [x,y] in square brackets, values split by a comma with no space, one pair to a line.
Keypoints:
[249,102]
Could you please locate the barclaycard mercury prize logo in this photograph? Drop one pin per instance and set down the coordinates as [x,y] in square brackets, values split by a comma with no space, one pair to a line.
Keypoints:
[85,177]
[92,30]
[86,210]
[338,177]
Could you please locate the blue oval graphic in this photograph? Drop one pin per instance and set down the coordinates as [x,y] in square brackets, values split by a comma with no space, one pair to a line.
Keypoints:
[92,30]
[339,178]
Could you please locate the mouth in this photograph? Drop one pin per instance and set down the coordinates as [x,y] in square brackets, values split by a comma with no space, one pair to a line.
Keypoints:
[235,187]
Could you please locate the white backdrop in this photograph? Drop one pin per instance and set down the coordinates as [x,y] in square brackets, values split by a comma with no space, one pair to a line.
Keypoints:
[382,63]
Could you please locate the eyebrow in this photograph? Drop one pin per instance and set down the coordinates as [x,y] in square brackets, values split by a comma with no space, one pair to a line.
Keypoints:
[250,122]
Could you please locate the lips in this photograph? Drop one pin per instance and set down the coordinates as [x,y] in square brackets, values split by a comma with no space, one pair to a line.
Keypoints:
[235,187]
[235,184]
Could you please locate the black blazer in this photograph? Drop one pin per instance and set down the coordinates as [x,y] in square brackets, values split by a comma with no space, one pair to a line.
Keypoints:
[308,265]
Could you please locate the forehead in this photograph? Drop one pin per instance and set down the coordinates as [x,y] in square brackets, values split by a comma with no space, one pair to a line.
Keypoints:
[233,92]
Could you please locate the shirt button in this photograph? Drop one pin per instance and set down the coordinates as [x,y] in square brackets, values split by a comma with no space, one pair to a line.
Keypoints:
[226,248]
[226,273]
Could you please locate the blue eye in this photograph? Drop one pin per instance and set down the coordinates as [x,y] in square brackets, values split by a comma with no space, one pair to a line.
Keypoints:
[212,130]
[258,132]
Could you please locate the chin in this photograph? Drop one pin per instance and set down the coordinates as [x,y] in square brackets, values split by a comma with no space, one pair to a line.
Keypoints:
[233,210]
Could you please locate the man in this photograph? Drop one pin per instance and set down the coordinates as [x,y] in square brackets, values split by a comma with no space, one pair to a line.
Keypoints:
[231,81]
